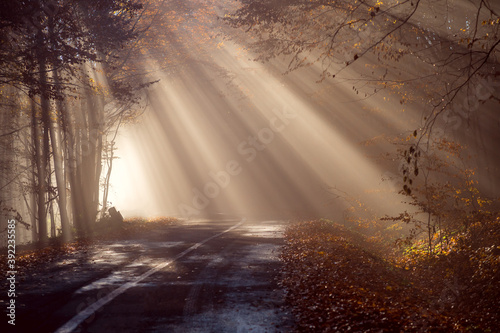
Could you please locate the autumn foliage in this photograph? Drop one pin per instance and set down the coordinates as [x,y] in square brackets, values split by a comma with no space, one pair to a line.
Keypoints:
[337,281]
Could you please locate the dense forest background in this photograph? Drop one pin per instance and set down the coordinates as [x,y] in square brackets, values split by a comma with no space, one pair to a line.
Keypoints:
[74,72]
[71,75]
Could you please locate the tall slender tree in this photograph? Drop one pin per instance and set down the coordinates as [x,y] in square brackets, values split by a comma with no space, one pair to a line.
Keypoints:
[47,50]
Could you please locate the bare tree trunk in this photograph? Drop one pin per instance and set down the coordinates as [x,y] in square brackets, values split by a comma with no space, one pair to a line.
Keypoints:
[34,160]
[107,179]
[73,162]
[83,179]
[7,159]
[96,115]
[51,203]
[43,151]
[40,183]
[55,139]
[92,129]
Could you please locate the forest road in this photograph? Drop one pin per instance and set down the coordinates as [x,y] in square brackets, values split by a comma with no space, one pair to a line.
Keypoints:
[192,276]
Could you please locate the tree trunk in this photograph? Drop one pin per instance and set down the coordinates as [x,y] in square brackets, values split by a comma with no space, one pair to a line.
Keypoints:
[107,179]
[44,150]
[51,204]
[55,139]
[40,179]
[84,155]
[96,115]
[92,124]
[72,162]
[105,190]
[34,160]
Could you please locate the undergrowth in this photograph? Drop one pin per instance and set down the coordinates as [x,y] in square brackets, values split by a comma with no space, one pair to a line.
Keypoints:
[340,280]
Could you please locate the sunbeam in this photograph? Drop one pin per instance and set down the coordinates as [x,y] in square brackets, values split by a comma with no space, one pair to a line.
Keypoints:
[229,136]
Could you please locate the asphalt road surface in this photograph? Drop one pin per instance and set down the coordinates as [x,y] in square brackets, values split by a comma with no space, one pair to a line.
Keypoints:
[197,276]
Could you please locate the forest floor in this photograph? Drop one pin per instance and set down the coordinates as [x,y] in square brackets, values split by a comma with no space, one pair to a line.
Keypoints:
[338,280]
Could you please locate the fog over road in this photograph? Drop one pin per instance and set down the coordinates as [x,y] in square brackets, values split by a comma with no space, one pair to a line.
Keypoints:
[198,276]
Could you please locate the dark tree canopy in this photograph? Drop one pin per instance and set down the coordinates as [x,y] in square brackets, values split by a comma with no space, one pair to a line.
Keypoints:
[441,47]
[63,34]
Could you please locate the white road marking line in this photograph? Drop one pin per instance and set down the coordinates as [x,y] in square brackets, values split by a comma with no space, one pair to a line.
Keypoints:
[88,311]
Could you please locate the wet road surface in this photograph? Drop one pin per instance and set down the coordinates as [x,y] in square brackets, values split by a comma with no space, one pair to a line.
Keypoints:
[195,276]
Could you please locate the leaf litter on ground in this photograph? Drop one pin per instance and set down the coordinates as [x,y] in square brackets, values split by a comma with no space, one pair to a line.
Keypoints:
[337,280]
